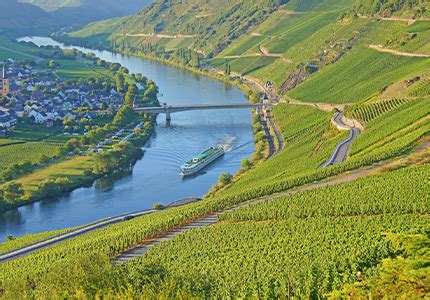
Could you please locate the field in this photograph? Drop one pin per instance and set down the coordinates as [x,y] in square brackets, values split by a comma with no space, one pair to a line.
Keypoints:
[348,80]
[32,132]
[75,69]
[19,153]
[73,169]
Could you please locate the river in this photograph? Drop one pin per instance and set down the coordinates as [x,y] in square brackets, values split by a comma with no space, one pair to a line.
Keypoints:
[154,178]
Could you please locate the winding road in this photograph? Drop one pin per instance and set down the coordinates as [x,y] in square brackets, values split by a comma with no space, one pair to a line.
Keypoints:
[341,152]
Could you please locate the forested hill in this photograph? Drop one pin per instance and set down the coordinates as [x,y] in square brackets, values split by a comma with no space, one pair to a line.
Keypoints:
[215,22]
[41,17]
[23,18]
[410,8]
[81,12]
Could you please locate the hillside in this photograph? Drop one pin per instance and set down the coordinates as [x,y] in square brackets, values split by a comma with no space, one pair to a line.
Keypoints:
[290,226]
[24,18]
[44,17]
[286,42]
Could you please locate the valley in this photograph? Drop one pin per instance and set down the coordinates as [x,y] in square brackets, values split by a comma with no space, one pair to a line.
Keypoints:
[321,193]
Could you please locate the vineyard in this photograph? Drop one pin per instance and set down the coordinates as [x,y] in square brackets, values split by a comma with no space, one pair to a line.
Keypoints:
[308,247]
[379,131]
[347,81]
[27,239]
[369,111]
[372,195]
[420,89]
[310,243]
[19,153]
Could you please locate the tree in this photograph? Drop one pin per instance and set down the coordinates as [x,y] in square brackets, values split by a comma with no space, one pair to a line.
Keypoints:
[12,191]
[225,179]
[125,115]
[246,164]
[72,145]
[9,237]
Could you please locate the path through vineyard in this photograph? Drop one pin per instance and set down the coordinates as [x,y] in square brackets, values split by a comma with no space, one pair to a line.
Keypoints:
[212,219]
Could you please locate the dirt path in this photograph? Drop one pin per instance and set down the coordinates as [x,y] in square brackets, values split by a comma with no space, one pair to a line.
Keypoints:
[379,48]
[140,250]
[328,107]
[292,12]
[263,52]
[161,36]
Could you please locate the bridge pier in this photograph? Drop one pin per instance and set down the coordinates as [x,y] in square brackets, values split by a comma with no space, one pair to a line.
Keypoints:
[168,116]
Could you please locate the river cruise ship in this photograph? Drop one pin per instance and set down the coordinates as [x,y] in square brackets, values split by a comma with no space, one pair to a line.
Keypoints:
[200,161]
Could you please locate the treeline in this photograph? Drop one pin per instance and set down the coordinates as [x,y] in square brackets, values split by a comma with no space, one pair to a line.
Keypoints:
[413,8]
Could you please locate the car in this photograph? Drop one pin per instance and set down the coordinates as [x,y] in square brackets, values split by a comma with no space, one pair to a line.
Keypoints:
[126,218]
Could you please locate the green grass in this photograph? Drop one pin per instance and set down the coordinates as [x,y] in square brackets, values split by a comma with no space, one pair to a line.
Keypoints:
[347,81]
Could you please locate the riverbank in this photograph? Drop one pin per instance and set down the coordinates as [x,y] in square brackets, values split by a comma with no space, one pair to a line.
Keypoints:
[63,177]
[168,148]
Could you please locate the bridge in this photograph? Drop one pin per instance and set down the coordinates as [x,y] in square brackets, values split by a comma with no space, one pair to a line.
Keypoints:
[169,109]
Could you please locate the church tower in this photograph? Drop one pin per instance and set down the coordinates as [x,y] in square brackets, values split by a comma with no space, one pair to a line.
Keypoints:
[5,81]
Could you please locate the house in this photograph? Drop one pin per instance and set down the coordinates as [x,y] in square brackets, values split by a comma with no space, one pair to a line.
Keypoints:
[39,118]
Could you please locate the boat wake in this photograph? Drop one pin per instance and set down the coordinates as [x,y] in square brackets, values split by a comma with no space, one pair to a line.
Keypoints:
[228,143]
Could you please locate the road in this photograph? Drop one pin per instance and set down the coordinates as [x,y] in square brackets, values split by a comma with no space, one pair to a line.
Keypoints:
[83,230]
[270,141]
[341,152]
[277,133]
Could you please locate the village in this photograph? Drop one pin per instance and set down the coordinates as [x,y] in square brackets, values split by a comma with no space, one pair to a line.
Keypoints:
[39,96]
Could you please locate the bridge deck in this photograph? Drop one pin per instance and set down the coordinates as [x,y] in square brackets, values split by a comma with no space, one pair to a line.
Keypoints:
[180,108]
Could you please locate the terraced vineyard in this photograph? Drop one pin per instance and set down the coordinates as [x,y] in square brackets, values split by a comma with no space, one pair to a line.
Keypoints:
[420,89]
[369,111]
[396,129]
[338,83]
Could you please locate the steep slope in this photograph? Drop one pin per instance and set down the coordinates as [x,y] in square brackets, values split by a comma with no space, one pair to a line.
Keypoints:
[81,12]
[214,24]
[20,18]
[51,5]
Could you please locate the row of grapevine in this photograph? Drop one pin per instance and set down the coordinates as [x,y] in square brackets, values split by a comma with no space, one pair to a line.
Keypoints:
[305,258]
[370,111]
[372,195]
[32,152]
[420,89]
[378,130]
